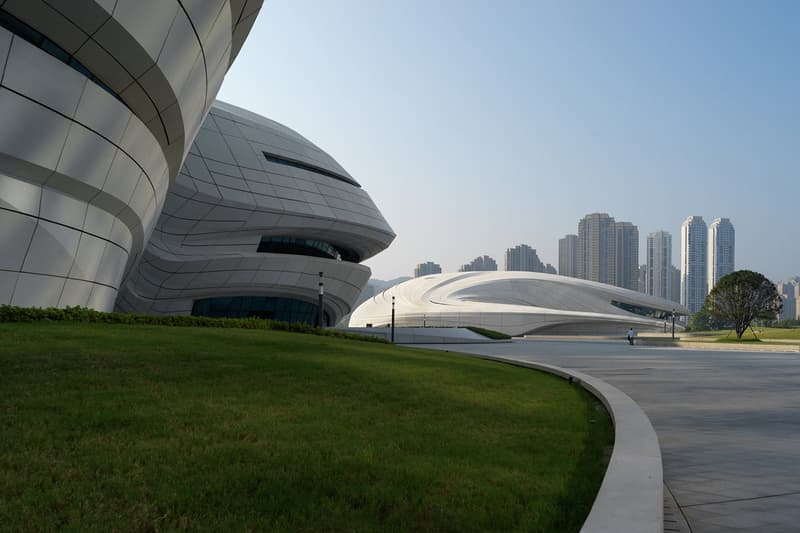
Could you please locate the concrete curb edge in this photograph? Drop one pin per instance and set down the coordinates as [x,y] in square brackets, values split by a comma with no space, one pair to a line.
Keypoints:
[631,496]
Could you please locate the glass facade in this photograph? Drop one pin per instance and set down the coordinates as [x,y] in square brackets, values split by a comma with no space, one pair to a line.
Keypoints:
[282,309]
[314,248]
[642,311]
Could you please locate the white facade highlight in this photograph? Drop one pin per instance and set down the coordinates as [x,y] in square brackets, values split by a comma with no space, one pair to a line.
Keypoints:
[516,303]
[100,101]
[721,250]
[257,211]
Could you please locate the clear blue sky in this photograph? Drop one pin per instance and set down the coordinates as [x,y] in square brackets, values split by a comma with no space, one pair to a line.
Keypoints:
[479,125]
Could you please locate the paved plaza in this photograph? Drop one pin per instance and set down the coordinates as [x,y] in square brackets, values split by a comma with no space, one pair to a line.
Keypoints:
[728,423]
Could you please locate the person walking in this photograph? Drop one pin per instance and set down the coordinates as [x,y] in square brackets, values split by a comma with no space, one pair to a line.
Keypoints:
[631,336]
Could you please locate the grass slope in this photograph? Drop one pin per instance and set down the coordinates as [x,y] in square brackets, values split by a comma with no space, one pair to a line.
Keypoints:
[115,427]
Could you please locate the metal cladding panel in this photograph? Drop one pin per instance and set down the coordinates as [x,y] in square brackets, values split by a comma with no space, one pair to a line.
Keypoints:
[89,149]
[228,195]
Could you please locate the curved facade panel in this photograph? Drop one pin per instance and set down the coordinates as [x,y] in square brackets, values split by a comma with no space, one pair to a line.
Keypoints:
[100,102]
[257,211]
[516,303]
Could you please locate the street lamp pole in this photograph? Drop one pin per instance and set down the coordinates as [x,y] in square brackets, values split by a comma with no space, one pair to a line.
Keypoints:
[321,294]
[393,319]
[673,323]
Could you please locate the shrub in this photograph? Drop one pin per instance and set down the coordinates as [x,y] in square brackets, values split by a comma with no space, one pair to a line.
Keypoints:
[10,313]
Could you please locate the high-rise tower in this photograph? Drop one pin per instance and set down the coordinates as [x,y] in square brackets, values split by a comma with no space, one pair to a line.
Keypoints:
[567,256]
[626,250]
[694,238]
[659,261]
[721,250]
[523,258]
[596,250]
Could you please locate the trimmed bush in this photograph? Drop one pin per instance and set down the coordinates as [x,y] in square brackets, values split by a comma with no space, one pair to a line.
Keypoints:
[10,313]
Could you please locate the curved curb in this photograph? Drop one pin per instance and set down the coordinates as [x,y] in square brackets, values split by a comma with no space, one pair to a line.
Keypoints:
[631,497]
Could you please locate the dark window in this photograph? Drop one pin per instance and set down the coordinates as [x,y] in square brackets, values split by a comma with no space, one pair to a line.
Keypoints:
[282,309]
[641,310]
[280,160]
[313,248]
[37,39]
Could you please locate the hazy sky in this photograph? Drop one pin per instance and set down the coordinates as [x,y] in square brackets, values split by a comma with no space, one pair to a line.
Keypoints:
[479,125]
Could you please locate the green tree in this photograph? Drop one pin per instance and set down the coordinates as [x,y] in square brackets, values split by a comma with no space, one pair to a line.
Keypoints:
[742,297]
[703,321]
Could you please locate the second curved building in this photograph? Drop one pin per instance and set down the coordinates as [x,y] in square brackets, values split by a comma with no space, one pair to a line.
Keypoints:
[257,212]
[517,303]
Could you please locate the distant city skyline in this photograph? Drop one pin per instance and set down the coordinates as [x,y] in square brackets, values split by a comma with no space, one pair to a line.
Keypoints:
[477,127]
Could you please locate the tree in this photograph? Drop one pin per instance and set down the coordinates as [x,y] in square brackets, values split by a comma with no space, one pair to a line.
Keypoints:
[703,321]
[741,297]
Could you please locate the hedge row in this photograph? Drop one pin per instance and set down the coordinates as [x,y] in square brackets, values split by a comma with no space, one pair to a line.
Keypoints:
[10,313]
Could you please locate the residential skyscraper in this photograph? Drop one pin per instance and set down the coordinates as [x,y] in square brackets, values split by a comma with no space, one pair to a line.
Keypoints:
[596,248]
[789,292]
[626,249]
[567,256]
[659,262]
[523,258]
[483,263]
[675,290]
[608,251]
[694,272]
[721,250]
[642,279]
[425,269]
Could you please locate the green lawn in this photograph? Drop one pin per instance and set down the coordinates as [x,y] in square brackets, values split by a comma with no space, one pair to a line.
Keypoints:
[762,333]
[117,427]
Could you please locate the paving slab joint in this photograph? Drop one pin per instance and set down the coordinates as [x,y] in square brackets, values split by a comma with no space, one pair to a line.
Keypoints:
[631,496]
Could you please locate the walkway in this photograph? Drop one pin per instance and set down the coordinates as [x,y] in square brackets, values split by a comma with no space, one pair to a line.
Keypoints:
[728,423]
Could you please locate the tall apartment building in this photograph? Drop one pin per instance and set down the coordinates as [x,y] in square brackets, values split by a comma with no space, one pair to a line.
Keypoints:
[567,256]
[694,264]
[425,269]
[607,251]
[596,250]
[789,292]
[675,291]
[523,258]
[658,276]
[642,279]
[483,263]
[721,250]
[626,248]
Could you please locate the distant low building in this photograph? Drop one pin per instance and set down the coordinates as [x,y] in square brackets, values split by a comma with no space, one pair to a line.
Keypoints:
[550,269]
[482,263]
[427,268]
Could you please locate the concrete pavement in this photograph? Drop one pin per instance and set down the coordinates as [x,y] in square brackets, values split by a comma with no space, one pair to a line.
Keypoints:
[728,423]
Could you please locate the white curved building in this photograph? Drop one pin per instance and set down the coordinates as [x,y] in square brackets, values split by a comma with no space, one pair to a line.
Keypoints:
[99,103]
[256,213]
[516,303]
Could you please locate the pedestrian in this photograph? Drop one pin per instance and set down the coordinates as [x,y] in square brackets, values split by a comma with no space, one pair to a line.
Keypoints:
[631,336]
